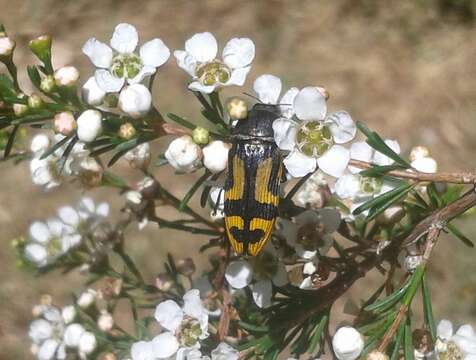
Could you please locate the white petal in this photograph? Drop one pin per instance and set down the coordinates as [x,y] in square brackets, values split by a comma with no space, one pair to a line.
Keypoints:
[40,142]
[193,304]
[107,81]
[467,345]
[310,104]
[125,38]
[444,329]
[169,315]
[92,93]
[298,165]
[215,156]
[334,161]
[342,126]
[154,53]
[238,76]
[68,215]
[72,334]
[381,159]
[239,52]
[70,241]
[87,343]
[47,350]
[347,186]
[89,126]
[267,87]
[185,61]
[56,227]
[262,293]
[202,46]
[238,274]
[280,277]
[165,345]
[425,164]
[286,104]
[224,352]
[285,133]
[40,232]
[103,209]
[99,53]
[142,350]
[40,330]
[362,151]
[86,207]
[197,86]
[466,331]
[347,343]
[135,100]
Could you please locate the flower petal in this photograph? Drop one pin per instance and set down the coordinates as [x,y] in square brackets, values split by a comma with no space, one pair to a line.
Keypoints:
[267,87]
[107,81]
[125,38]
[238,76]
[239,52]
[197,86]
[425,164]
[284,133]
[165,345]
[286,104]
[381,159]
[40,232]
[47,350]
[444,329]
[185,61]
[202,46]
[262,293]
[40,330]
[145,71]
[347,186]
[142,350]
[102,209]
[154,53]
[362,151]
[342,126]
[298,165]
[334,161]
[238,274]
[99,53]
[169,315]
[69,215]
[310,104]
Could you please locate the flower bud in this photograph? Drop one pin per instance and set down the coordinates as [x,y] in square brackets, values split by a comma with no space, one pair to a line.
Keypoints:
[64,123]
[72,334]
[215,156]
[89,125]
[127,131]
[419,152]
[20,109]
[7,46]
[66,76]
[87,343]
[200,135]
[237,108]
[68,313]
[46,300]
[163,282]
[183,154]
[107,356]
[41,47]
[139,157]
[186,266]
[425,164]
[411,262]
[48,84]
[35,101]
[105,321]
[376,355]
[347,343]
[86,299]
[91,93]
[135,100]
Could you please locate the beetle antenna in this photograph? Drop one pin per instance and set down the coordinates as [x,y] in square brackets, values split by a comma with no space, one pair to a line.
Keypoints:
[252,96]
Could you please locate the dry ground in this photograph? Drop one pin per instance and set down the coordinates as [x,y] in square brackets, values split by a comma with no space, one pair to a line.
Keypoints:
[407,68]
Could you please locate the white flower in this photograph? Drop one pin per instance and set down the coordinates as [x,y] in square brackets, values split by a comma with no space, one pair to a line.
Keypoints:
[183,154]
[91,93]
[347,343]
[224,352]
[89,125]
[139,157]
[184,325]
[7,46]
[105,321]
[135,100]
[215,156]
[86,299]
[310,195]
[119,63]
[47,241]
[66,76]
[73,334]
[209,73]
[461,344]
[313,139]
[425,164]
[43,171]
[87,344]
[68,313]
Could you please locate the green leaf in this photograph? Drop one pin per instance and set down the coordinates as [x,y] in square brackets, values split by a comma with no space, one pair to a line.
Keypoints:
[181,121]
[112,180]
[375,141]
[398,340]
[433,195]
[34,76]
[389,301]
[11,141]
[407,342]
[415,282]
[254,328]
[427,309]
[193,189]
[376,171]
[7,89]
[316,335]
[456,232]
[56,146]
[452,193]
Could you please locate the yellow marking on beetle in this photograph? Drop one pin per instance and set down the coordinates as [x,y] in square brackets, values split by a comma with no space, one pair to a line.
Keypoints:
[263,176]
[237,190]
[267,227]
[239,223]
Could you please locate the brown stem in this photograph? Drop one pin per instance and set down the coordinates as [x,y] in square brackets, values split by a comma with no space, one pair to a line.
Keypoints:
[412,174]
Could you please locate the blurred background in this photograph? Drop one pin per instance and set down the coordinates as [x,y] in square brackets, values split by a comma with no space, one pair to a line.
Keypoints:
[406,68]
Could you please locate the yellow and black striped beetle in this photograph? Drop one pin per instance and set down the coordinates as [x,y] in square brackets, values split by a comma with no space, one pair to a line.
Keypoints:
[252,185]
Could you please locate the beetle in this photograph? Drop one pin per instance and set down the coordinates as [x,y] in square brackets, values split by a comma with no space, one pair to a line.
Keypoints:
[252,184]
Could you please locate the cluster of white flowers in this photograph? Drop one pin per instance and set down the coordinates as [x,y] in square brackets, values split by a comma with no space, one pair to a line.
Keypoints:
[55,334]
[48,240]
[454,345]
[184,327]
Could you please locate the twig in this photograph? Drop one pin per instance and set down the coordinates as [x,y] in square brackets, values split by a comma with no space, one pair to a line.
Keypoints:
[444,177]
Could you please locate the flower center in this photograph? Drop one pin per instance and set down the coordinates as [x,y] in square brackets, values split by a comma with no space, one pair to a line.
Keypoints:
[189,332]
[370,185]
[53,248]
[126,65]
[314,138]
[264,265]
[213,72]
[452,352]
